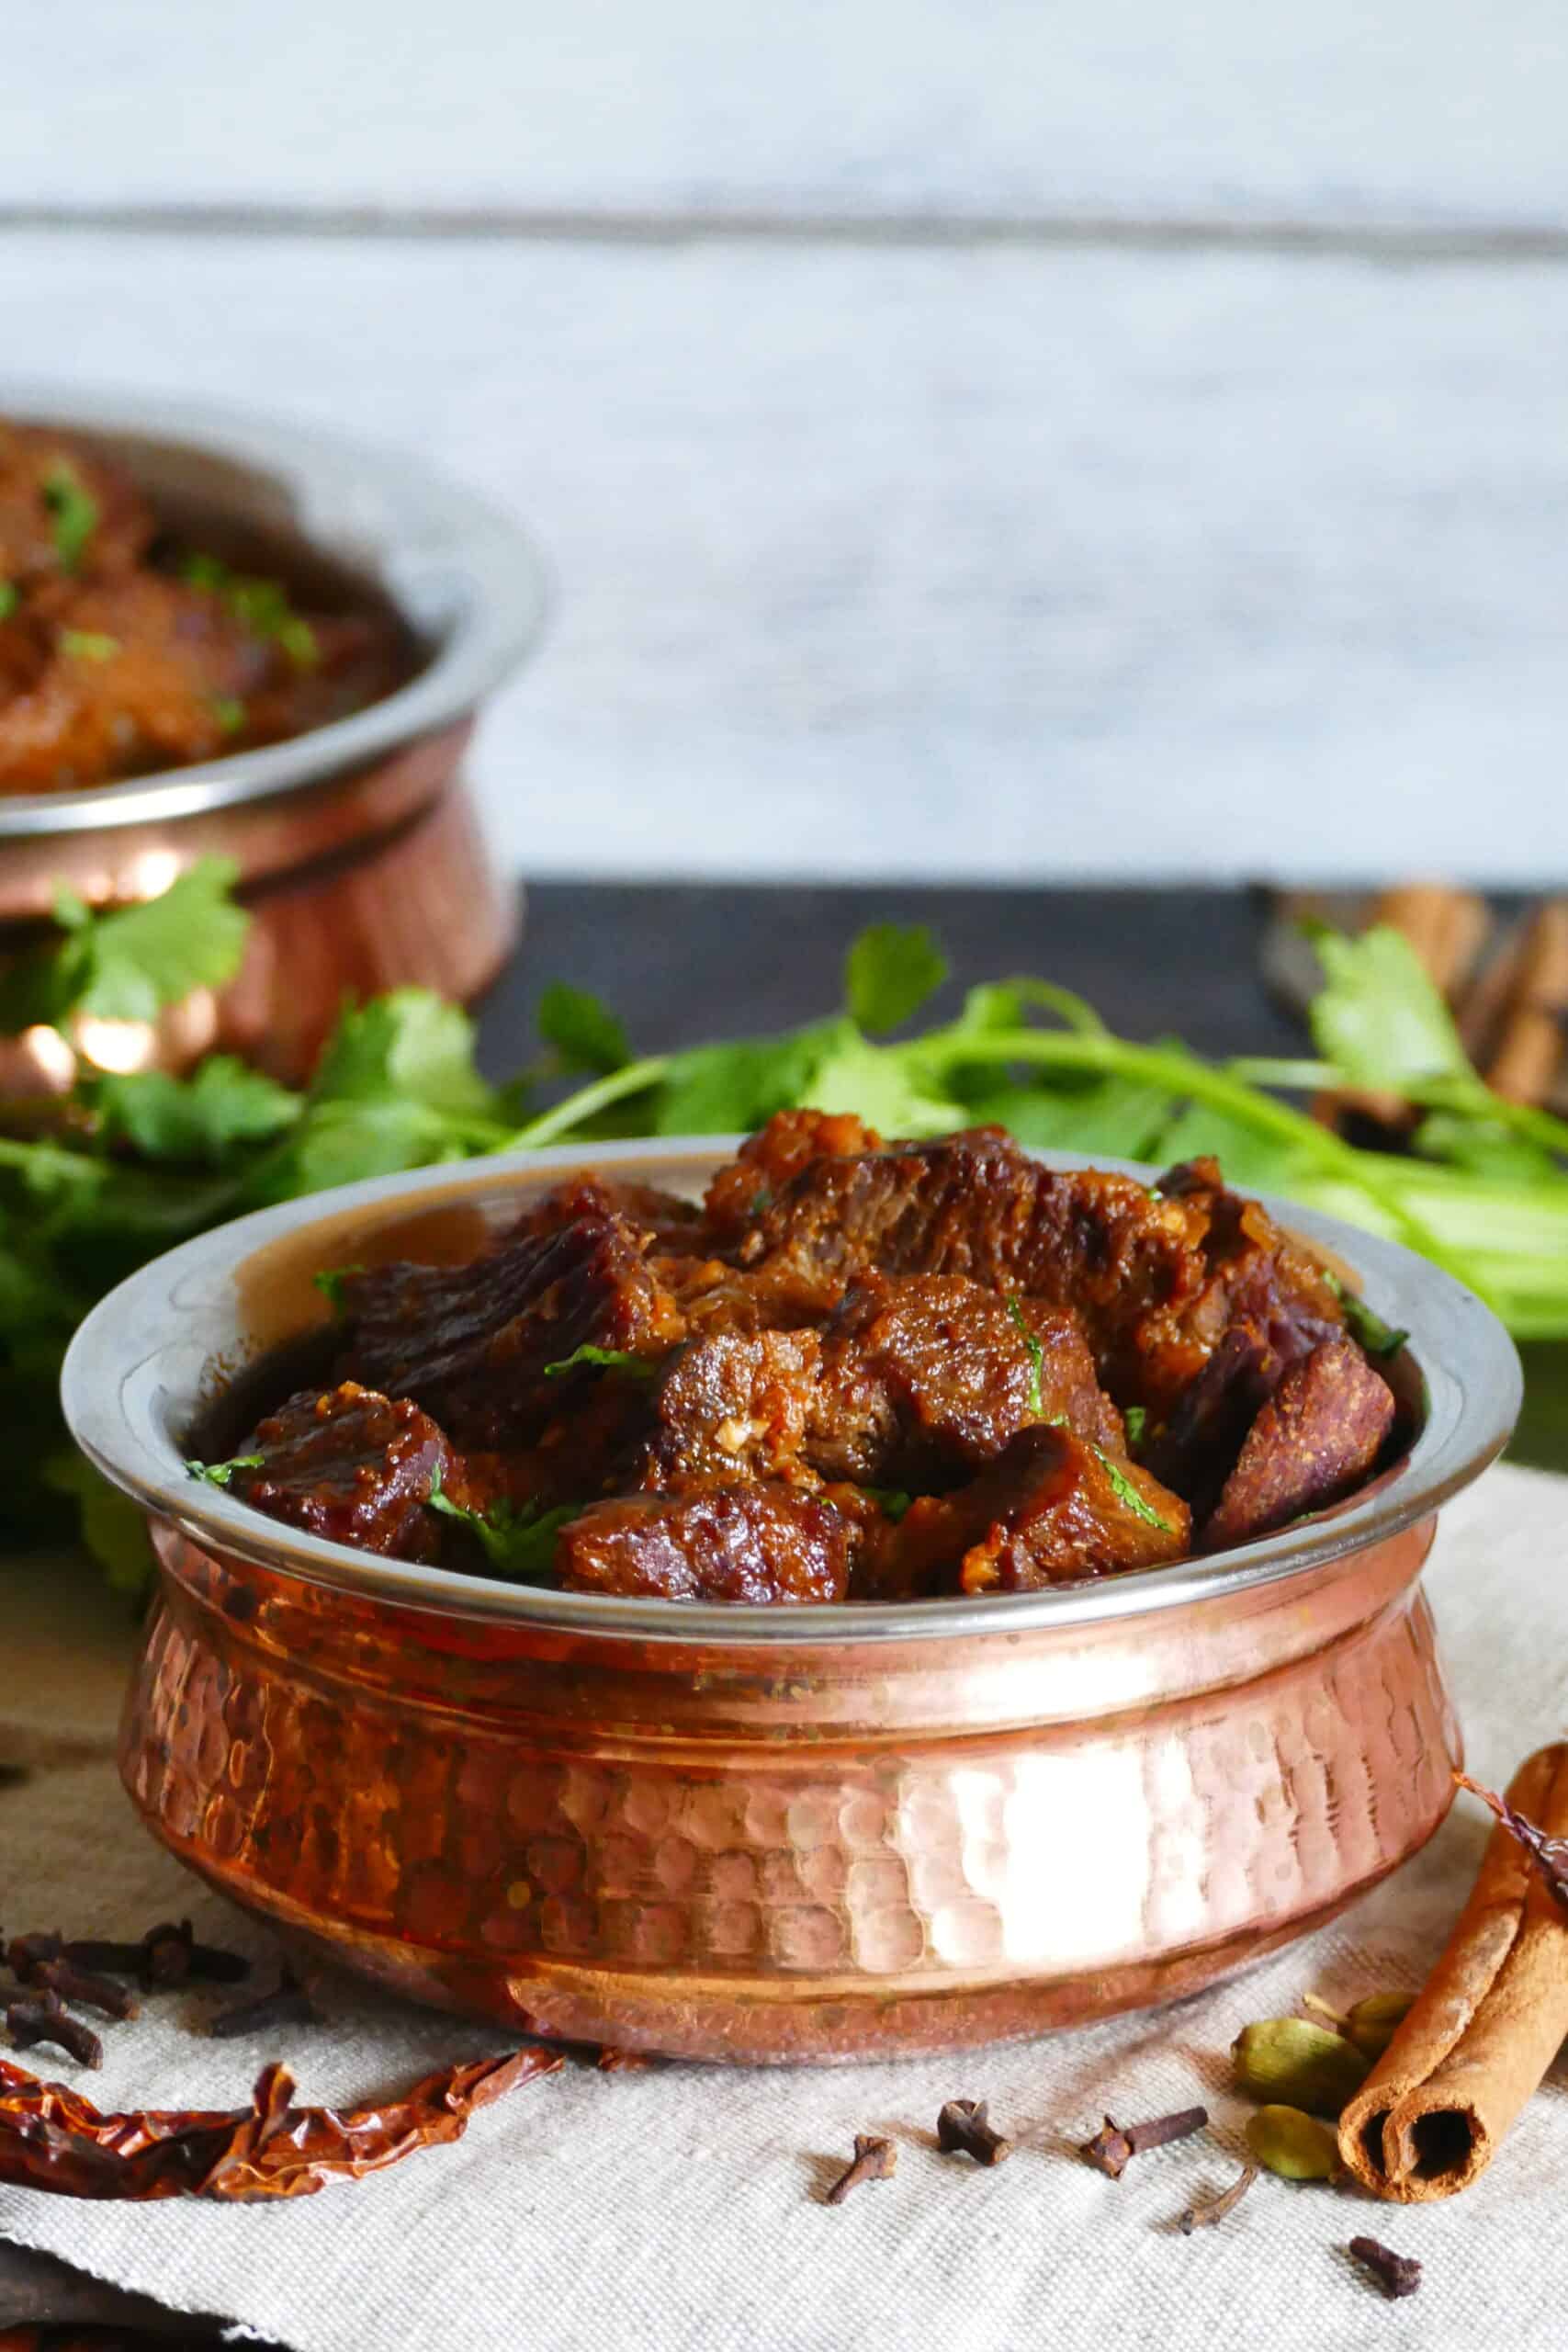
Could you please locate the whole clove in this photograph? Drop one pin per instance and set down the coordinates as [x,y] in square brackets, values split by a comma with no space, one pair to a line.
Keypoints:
[1204,2212]
[1396,2274]
[45,2018]
[874,2160]
[1112,2150]
[22,1953]
[171,1955]
[167,1955]
[89,1991]
[287,2004]
[963,2128]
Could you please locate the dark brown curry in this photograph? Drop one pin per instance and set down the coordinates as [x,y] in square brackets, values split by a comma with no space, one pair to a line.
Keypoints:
[124,650]
[855,1370]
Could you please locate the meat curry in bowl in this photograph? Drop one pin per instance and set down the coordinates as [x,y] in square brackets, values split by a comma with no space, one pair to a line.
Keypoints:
[854,1371]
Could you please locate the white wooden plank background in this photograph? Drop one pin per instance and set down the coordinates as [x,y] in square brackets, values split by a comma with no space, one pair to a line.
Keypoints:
[948,562]
[1433,110]
[990,508]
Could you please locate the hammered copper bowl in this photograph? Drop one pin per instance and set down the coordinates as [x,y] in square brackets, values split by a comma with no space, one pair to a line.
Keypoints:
[359,851]
[789,1834]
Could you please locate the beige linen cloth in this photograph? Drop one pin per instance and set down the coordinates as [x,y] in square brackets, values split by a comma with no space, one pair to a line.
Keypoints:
[680,2209]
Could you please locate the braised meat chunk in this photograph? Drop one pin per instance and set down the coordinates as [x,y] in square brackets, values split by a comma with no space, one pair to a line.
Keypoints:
[757,1542]
[1051,1509]
[484,1346]
[1318,1436]
[352,1465]
[925,1376]
[885,1373]
[732,1404]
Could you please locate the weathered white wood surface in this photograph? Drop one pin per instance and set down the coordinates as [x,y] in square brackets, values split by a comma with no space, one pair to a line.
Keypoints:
[944,562]
[1437,111]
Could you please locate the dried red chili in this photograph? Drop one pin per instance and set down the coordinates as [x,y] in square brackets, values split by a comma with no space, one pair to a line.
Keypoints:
[51,2138]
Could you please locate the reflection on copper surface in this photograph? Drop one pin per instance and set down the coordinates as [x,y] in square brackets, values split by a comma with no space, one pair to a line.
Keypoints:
[853,1850]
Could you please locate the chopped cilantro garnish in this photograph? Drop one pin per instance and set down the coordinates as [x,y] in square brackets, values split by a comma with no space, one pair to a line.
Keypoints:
[260,606]
[73,511]
[518,1539]
[10,597]
[229,713]
[1135,1418]
[218,1474]
[607,1359]
[1037,1354]
[330,1283]
[88,645]
[1139,1505]
[1375,1338]
[891,1500]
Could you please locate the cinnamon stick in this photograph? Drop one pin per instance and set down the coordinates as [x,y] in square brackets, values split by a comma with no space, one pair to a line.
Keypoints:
[1437,2107]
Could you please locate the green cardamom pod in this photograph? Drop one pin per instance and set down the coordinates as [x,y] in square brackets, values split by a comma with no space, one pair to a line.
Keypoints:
[1301,2064]
[1372,2023]
[1296,2146]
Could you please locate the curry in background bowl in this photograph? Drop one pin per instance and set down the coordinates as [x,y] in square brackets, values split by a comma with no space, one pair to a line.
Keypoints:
[128,644]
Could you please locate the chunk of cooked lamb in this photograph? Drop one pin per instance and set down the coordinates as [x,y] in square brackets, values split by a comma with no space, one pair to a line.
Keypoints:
[977,1205]
[928,1375]
[732,1405]
[1317,1437]
[790,1141]
[350,1464]
[735,1543]
[473,1344]
[1051,1509]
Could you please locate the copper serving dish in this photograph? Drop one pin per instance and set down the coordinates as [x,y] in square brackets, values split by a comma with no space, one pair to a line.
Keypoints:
[743,1833]
[359,847]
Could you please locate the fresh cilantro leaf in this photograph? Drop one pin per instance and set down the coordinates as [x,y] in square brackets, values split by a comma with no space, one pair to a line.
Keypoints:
[74,513]
[608,1359]
[229,713]
[518,1540]
[127,965]
[891,1500]
[198,1118]
[1378,1018]
[1036,1353]
[341,1143]
[1122,1117]
[883,1085]
[218,1474]
[408,1045]
[1126,1492]
[1484,1147]
[889,972]
[723,1090]
[584,1031]
[10,597]
[330,1282]
[1134,1420]
[88,645]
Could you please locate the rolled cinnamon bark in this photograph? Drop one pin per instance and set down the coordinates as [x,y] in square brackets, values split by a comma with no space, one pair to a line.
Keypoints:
[1488,2023]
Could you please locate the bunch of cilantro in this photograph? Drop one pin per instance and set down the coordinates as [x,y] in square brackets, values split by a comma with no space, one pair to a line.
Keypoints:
[95,1182]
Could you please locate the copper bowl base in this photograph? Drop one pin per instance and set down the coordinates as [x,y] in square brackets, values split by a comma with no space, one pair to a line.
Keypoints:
[827,1852]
